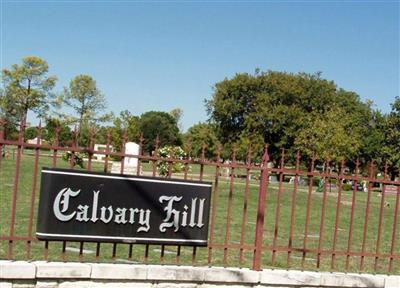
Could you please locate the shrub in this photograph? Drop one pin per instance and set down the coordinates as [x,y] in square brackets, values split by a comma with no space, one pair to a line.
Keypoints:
[77,159]
[347,187]
[316,181]
[173,152]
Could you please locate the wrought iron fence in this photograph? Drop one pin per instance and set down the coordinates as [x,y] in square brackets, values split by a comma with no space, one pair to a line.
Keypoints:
[292,215]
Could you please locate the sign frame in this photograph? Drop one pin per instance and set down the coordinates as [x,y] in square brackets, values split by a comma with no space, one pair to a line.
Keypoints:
[180,216]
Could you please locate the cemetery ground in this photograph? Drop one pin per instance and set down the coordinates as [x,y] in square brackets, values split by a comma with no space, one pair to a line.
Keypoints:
[238,233]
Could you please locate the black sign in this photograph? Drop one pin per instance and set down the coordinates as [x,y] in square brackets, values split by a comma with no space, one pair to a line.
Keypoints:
[87,206]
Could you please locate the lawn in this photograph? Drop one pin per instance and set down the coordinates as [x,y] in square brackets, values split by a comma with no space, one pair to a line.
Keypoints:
[230,195]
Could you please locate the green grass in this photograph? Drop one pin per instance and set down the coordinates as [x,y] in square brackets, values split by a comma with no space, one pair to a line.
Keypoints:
[219,256]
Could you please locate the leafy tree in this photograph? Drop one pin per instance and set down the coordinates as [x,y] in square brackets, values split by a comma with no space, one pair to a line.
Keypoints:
[125,123]
[329,136]
[27,87]
[51,127]
[30,133]
[199,134]
[88,102]
[85,132]
[101,133]
[177,113]
[10,130]
[7,118]
[277,107]
[372,139]
[155,123]
[8,121]
[391,148]
[242,145]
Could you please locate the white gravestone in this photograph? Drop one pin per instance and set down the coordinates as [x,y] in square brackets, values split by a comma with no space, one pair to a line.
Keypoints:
[133,149]
[130,163]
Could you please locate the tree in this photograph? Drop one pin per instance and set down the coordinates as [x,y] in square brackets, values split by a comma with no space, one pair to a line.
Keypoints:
[64,131]
[199,134]
[30,133]
[27,87]
[329,136]
[127,124]
[372,140]
[177,113]
[101,135]
[7,118]
[155,123]
[391,148]
[275,107]
[88,102]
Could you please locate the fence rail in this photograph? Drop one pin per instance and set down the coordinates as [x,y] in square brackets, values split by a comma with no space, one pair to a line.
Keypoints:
[318,220]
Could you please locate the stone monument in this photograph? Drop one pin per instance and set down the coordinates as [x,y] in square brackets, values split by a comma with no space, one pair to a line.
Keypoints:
[130,163]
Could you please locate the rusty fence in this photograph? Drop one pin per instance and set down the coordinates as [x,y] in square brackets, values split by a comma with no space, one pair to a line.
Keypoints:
[291,215]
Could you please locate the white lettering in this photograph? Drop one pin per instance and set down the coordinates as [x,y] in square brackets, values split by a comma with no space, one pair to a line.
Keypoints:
[184,216]
[63,198]
[193,211]
[83,214]
[187,216]
[200,216]
[94,207]
[172,218]
[132,216]
[144,220]
[167,221]
[103,214]
[120,217]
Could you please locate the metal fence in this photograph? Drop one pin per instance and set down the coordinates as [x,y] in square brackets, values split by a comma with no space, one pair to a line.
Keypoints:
[291,216]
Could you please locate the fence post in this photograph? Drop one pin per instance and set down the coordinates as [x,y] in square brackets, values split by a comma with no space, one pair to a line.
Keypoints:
[2,127]
[262,195]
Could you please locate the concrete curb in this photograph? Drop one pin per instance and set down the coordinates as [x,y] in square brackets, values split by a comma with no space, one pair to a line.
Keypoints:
[59,274]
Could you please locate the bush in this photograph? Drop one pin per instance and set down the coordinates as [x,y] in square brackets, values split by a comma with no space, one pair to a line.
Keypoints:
[347,187]
[174,152]
[77,159]
[256,175]
[316,181]
[332,181]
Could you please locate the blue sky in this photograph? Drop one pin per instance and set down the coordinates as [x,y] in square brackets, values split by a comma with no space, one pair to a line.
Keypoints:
[159,55]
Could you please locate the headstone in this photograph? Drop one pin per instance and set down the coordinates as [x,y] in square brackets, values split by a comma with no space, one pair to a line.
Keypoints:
[133,149]
[226,169]
[365,186]
[273,179]
[34,141]
[130,163]
[391,189]
[101,148]
[302,182]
